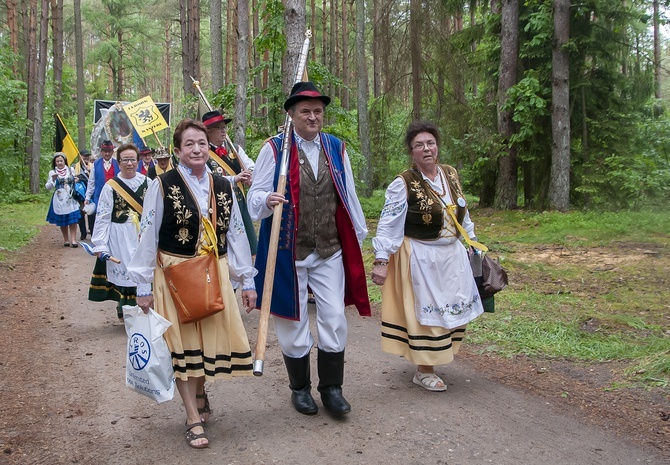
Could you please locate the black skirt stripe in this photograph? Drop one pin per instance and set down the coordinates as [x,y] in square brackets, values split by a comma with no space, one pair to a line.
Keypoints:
[416,347]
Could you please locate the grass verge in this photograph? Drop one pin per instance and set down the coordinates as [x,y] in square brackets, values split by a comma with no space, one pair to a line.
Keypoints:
[20,222]
[586,287]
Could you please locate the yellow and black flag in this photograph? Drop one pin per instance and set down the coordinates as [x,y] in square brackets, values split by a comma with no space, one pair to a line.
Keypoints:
[64,142]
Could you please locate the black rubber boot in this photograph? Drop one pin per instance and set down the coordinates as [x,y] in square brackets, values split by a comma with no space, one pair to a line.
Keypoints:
[331,376]
[300,384]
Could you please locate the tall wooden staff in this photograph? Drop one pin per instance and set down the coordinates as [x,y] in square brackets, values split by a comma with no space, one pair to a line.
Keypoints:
[196,84]
[276,224]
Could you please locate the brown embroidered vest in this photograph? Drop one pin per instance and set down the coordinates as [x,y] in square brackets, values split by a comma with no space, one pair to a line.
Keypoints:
[425,211]
[181,226]
[317,229]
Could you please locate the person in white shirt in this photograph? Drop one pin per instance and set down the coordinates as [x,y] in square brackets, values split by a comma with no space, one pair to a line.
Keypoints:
[176,202]
[322,229]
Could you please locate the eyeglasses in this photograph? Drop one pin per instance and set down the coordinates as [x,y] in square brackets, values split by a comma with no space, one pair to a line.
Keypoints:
[125,161]
[422,145]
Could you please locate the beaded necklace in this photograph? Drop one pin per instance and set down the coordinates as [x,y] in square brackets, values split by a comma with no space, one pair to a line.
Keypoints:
[444,187]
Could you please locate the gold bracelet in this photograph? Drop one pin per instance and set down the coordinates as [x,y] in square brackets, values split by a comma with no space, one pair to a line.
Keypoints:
[380,262]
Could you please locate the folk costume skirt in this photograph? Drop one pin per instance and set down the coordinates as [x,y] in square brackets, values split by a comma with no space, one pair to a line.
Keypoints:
[216,347]
[101,289]
[402,333]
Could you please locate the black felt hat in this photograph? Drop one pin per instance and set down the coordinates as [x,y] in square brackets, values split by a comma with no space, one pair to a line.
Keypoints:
[303,91]
[212,117]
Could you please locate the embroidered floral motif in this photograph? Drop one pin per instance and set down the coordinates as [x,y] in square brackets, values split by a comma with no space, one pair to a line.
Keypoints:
[425,202]
[182,214]
[391,209]
[452,309]
[147,220]
[183,236]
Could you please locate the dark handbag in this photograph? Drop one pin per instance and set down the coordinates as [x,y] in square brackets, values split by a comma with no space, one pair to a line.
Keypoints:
[490,277]
[194,284]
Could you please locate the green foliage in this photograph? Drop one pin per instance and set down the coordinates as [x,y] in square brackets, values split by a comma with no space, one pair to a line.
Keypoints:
[372,206]
[13,124]
[20,218]
[573,229]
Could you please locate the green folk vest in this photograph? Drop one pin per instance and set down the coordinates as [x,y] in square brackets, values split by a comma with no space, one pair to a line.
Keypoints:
[425,211]
[317,230]
[122,209]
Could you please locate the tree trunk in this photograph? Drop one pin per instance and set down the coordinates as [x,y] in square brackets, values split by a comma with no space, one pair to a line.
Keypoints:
[229,44]
[333,59]
[81,90]
[313,27]
[240,120]
[294,22]
[119,69]
[185,48]
[13,27]
[167,81]
[345,55]
[31,74]
[189,14]
[377,38]
[57,37]
[257,61]
[559,183]
[657,53]
[195,34]
[324,33]
[38,120]
[362,98]
[216,40]
[506,182]
[415,50]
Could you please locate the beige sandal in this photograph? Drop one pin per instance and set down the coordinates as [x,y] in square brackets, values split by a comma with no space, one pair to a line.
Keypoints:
[429,381]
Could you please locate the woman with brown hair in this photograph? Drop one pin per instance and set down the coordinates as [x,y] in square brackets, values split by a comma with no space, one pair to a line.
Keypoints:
[429,294]
[176,207]
[63,209]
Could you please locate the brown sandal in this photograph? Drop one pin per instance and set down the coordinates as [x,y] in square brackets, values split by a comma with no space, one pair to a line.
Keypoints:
[191,436]
[205,409]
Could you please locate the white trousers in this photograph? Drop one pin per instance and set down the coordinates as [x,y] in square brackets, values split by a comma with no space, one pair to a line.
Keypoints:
[325,277]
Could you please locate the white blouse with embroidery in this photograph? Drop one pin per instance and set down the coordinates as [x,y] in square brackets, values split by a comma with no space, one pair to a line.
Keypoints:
[239,254]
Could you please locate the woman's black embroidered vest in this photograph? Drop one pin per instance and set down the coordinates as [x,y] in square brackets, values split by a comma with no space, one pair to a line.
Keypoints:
[424,208]
[181,226]
[121,209]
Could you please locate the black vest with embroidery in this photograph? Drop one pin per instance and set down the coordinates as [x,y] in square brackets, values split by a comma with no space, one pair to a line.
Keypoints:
[232,162]
[425,211]
[121,209]
[180,230]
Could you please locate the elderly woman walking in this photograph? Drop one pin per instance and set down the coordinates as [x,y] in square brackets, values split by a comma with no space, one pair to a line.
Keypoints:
[429,294]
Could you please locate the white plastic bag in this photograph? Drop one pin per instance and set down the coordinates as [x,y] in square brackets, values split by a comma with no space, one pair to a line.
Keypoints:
[149,363]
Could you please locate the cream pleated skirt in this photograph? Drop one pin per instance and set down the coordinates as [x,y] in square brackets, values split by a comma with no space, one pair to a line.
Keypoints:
[402,333]
[216,347]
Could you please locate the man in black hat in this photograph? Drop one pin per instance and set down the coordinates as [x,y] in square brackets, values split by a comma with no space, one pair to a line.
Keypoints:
[104,169]
[146,160]
[83,171]
[322,230]
[233,164]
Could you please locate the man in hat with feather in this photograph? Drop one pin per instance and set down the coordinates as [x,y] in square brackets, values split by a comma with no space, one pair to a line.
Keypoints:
[322,229]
